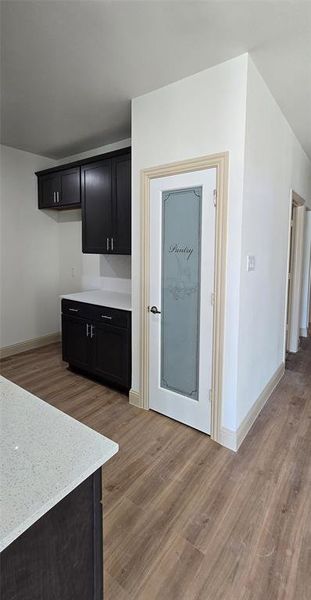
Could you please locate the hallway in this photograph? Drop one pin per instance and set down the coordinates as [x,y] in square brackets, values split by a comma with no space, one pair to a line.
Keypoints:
[187,519]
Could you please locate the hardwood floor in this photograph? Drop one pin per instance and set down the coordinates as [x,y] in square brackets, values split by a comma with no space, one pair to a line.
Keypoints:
[186,519]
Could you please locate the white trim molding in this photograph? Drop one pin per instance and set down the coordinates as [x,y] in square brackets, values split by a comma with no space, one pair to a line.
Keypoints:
[228,438]
[233,439]
[253,413]
[135,399]
[44,340]
[295,267]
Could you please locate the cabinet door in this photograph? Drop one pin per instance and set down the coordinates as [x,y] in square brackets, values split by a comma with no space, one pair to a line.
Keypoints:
[48,187]
[76,340]
[70,187]
[111,356]
[96,207]
[121,167]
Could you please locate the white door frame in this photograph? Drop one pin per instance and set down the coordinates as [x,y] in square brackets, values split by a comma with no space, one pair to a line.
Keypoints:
[293,295]
[306,276]
[194,411]
[221,163]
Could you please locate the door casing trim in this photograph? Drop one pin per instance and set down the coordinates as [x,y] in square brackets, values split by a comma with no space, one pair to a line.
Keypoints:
[221,163]
[292,296]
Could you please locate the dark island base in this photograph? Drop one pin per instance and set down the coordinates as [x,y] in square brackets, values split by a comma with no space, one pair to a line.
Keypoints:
[61,555]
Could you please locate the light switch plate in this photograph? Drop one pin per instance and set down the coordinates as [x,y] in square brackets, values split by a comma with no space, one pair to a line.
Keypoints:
[250,263]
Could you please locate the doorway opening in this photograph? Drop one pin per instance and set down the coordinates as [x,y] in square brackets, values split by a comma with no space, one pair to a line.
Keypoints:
[294,274]
[219,163]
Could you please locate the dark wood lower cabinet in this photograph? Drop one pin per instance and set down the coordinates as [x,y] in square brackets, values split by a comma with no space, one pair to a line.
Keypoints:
[112,354]
[97,340]
[60,557]
[76,341]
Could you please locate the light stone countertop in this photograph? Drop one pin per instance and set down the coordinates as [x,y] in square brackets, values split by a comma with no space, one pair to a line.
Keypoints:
[44,455]
[102,298]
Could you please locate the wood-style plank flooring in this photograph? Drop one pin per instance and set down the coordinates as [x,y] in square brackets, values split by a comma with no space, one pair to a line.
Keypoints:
[186,519]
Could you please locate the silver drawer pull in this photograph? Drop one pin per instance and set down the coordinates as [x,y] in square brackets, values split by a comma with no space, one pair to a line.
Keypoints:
[74,309]
[106,317]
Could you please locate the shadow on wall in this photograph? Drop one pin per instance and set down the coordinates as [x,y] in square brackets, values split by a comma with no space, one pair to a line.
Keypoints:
[80,271]
[51,214]
[68,216]
[115,266]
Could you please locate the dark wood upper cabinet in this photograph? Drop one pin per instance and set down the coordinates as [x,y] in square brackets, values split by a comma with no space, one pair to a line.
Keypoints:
[101,185]
[106,206]
[121,194]
[47,190]
[59,189]
[96,207]
[70,187]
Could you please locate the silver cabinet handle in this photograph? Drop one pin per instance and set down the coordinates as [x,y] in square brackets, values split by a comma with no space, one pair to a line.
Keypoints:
[106,317]
[112,244]
[57,196]
[87,330]
[74,309]
[92,331]
[54,197]
[107,244]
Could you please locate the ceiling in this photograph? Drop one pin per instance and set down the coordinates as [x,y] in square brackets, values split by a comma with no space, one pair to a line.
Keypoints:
[69,69]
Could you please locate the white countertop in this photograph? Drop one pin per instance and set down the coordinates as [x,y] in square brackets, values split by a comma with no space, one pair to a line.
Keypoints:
[44,455]
[102,298]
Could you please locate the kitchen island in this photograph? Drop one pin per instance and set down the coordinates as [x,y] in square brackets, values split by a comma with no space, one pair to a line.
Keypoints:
[51,512]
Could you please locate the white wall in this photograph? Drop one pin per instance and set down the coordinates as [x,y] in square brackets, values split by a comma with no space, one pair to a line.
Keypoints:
[274,163]
[199,115]
[29,252]
[306,278]
[41,251]
[229,107]
[79,271]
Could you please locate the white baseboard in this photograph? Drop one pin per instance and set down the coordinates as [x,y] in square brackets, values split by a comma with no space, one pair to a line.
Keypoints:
[135,399]
[304,332]
[253,413]
[228,438]
[44,340]
[233,439]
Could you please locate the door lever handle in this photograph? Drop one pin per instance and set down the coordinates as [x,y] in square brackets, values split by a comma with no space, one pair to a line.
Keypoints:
[154,310]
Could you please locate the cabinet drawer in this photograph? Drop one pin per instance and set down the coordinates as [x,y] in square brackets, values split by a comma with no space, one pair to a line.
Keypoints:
[112,316]
[102,314]
[78,309]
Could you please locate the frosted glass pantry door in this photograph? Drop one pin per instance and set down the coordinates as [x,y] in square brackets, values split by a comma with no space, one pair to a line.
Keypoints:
[182,240]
